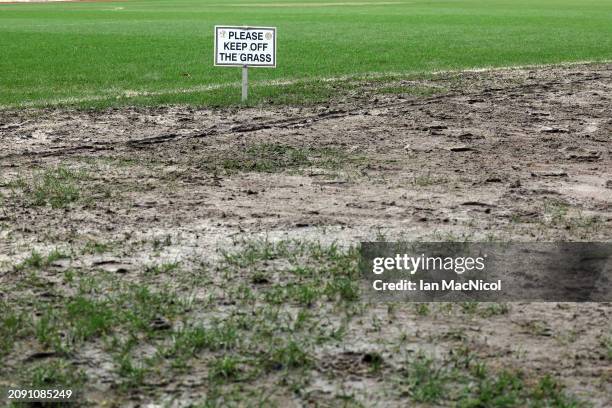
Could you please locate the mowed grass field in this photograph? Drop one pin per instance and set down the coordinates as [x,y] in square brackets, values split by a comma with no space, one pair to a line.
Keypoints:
[161,51]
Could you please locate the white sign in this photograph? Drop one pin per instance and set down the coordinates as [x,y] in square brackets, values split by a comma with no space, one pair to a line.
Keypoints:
[245,46]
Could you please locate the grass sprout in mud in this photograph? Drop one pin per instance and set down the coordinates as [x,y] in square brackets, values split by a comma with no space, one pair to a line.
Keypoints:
[58,187]
[146,328]
[55,187]
[265,329]
[274,157]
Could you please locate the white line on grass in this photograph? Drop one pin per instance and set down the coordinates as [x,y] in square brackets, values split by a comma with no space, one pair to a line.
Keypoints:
[305,4]
[34,1]
[129,94]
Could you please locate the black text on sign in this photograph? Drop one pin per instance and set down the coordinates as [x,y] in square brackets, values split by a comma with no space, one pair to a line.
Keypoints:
[245,46]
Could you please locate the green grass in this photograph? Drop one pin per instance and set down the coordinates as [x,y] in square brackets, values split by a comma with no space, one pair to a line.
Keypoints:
[466,380]
[267,314]
[426,382]
[55,374]
[606,344]
[275,157]
[120,318]
[37,261]
[56,187]
[100,54]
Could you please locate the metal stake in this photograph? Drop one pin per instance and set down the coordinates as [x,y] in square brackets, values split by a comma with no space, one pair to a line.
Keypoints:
[245,83]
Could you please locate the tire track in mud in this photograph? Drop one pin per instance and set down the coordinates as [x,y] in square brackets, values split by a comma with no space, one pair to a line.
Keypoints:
[301,121]
[240,128]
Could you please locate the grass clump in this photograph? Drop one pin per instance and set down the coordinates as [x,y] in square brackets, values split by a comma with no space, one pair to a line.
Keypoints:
[89,318]
[11,323]
[548,392]
[189,341]
[268,157]
[224,368]
[37,261]
[94,247]
[291,355]
[469,383]
[560,215]
[245,331]
[163,268]
[275,157]
[606,344]
[55,373]
[320,272]
[424,180]
[509,389]
[503,390]
[426,381]
[131,372]
[56,187]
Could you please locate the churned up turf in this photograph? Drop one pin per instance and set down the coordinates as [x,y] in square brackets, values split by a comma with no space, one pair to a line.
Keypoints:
[174,256]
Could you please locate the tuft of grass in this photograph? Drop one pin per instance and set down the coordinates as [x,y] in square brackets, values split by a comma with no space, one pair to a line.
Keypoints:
[189,341]
[11,324]
[37,261]
[131,372]
[162,269]
[343,288]
[321,271]
[221,336]
[89,318]
[426,381]
[374,360]
[47,330]
[494,309]
[274,157]
[606,344]
[55,374]
[224,368]
[503,390]
[469,307]
[548,392]
[424,180]
[422,309]
[288,356]
[94,247]
[56,187]
[557,213]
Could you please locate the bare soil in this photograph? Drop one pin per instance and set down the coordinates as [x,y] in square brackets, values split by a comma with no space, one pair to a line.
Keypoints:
[512,155]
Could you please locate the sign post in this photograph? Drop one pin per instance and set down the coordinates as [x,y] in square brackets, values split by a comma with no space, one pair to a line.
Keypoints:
[245,83]
[245,47]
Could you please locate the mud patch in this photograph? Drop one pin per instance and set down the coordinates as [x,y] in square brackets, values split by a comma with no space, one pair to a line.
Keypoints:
[222,229]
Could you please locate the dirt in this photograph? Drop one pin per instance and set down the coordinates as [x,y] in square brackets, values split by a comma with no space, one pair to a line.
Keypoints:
[512,155]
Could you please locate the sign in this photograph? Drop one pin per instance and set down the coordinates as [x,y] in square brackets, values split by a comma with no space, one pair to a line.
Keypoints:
[245,46]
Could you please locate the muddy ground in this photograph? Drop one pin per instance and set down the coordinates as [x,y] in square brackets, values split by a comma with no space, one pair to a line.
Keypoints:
[225,209]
